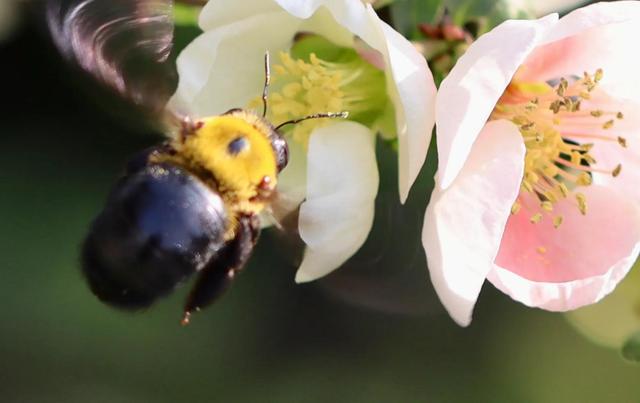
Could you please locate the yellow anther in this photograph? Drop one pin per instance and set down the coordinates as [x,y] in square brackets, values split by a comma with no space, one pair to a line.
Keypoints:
[550,196]
[557,163]
[547,206]
[616,171]
[587,147]
[575,107]
[541,250]
[598,76]
[622,141]
[531,177]
[563,189]
[582,203]
[515,208]
[557,221]
[291,90]
[576,158]
[532,105]
[536,218]
[520,120]
[589,159]
[584,179]
[562,87]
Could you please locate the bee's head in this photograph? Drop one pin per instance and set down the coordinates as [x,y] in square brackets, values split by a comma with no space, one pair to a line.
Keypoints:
[241,150]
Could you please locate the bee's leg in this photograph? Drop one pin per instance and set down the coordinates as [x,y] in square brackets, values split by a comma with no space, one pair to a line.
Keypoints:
[217,275]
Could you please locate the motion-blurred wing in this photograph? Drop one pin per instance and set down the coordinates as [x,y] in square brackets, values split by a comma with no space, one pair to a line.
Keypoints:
[124,44]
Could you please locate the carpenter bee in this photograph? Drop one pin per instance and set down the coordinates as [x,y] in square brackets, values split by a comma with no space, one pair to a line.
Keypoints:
[189,205]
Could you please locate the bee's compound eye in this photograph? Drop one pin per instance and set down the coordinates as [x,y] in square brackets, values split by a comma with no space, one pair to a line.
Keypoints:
[237,145]
[281,149]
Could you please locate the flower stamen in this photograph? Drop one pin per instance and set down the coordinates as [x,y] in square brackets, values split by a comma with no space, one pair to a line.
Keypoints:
[310,85]
[556,162]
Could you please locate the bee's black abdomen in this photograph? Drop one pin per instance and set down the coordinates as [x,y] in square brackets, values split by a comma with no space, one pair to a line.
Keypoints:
[217,275]
[159,225]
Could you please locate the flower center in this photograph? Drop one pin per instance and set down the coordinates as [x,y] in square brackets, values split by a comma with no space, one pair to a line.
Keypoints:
[558,161]
[304,84]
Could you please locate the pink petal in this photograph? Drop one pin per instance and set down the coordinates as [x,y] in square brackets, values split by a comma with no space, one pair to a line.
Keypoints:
[598,36]
[463,225]
[609,153]
[595,15]
[582,260]
[470,92]
[628,181]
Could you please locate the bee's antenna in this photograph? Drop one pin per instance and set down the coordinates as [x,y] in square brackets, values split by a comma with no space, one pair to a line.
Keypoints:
[267,80]
[332,115]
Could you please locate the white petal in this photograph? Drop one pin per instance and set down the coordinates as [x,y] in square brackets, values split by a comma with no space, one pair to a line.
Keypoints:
[292,182]
[410,82]
[541,7]
[352,15]
[316,18]
[414,98]
[223,12]
[468,95]
[223,68]
[464,224]
[342,183]
[592,16]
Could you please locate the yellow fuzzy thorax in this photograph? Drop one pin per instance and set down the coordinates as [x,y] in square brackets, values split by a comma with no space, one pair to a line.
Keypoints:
[237,174]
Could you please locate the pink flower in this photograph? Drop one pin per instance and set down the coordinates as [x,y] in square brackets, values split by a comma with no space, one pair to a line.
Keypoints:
[539,162]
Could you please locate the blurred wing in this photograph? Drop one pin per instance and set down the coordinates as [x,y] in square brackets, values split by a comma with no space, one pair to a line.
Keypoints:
[124,44]
[388,274]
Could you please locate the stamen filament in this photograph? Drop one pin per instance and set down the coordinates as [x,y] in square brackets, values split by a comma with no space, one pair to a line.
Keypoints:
[587,169]
[551,118]
[590,136]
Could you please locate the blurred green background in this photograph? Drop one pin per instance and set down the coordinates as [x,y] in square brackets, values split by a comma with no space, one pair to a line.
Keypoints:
[372,332]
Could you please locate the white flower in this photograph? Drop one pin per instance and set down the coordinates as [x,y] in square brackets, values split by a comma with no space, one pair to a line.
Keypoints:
[541,7]
[332,163]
